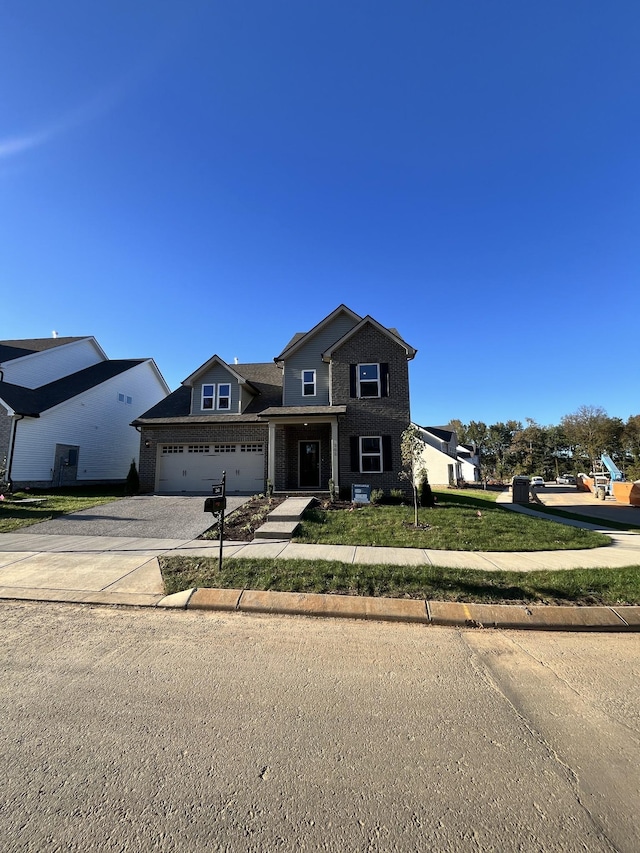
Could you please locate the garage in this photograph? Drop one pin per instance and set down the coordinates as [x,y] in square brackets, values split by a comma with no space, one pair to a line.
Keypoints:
[196,467]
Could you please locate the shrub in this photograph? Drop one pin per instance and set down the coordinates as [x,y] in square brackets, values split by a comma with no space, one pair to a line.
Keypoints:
[132,486]
[426,495]
[377,496]
[332,491]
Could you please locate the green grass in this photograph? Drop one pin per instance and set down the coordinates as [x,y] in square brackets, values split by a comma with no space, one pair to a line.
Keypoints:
[574,586]
[461,521]
[14,516]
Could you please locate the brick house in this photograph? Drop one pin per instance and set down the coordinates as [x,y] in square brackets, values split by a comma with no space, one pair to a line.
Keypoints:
[331,406]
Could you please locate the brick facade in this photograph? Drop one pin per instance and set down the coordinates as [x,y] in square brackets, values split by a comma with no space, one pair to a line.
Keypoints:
[198,433]
[378,416]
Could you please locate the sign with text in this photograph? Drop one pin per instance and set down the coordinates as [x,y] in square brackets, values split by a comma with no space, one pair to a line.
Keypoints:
[361,494]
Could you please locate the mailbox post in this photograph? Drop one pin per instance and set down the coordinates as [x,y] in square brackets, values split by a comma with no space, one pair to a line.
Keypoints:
[217,505]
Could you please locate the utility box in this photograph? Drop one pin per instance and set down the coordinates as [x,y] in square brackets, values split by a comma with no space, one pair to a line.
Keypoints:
[520,490]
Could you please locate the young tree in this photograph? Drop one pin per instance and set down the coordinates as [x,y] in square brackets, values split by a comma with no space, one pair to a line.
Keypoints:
[414,469]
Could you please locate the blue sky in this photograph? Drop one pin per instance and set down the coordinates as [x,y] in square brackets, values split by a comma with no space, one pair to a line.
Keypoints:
[183,179]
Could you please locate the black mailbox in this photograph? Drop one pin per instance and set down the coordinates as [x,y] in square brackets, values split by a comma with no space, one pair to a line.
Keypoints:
[215,504]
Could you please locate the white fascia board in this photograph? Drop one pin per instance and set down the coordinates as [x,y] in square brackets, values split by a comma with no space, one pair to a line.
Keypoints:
[317,328]
[410,351]
[5,405]
[215,359]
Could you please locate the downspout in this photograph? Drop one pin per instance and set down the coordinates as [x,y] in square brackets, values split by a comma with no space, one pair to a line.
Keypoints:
[12,445]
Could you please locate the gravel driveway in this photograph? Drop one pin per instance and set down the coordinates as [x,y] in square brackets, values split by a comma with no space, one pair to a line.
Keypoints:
[146,516]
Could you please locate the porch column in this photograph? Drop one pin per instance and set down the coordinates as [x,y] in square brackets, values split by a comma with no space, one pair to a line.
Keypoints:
[271,454]
[334,452]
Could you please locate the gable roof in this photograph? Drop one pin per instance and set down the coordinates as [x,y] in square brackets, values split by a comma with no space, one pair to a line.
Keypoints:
[390,333]
[302,337]
[215,359]
[33,401]
[10,350]
[440,432]
[265,378]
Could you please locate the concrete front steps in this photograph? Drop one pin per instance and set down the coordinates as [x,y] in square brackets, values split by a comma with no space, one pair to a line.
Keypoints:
[283,521]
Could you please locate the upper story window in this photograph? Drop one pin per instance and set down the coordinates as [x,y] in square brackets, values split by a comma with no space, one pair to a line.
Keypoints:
[368,380]
[224,395]
[208,396]
[308,383]
[125,398]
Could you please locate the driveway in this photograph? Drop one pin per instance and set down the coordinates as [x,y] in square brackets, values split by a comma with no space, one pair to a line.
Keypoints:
[144,516]
[569,499]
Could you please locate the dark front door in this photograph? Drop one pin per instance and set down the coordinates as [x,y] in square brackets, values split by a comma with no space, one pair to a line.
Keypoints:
[309,464]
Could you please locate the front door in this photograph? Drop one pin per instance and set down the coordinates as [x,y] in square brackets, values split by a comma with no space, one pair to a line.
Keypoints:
[309,467]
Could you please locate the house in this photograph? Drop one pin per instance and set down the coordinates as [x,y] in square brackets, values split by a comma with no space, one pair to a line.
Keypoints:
[66,411]
[331,406]
[448,462]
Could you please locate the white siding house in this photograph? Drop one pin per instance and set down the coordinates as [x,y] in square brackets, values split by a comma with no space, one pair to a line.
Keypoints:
[447,462]
[74,427]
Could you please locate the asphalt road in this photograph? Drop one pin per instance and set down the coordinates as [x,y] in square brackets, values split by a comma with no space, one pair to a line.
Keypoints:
[144,516]
[146,730]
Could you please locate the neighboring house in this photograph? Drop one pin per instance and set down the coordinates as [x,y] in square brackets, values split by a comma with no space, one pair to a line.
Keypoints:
[66,411]
[331,406]
[446,461]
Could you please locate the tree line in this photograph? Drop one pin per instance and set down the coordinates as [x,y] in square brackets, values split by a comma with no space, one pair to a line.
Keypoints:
[572,446]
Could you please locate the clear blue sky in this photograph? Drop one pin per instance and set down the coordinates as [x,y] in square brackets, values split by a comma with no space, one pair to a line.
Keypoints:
[186,178]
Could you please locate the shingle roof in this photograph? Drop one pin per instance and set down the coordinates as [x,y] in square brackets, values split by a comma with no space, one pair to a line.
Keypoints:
[34,401]
[17,349]
[266,378]
[440,432]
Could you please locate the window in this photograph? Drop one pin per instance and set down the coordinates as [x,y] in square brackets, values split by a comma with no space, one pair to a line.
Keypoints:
[198,448]
[368,380]
[173,448]
[224,448]
[224,396]
[371,453]
[251,448]
[208,393]
[308,383]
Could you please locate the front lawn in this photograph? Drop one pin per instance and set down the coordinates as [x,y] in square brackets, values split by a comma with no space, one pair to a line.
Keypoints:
[16,511]
[460,521]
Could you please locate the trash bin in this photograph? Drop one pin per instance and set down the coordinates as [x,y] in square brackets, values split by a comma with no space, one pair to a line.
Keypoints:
[520,490]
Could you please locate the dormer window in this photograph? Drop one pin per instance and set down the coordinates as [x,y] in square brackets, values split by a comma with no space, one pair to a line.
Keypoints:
[208,395]
[308,383]
[224,396]
[368,380]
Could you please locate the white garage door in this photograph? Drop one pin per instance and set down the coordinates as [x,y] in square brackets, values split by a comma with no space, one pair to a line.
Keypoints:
[196,467]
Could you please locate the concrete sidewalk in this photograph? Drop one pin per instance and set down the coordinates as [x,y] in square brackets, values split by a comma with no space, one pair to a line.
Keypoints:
[125,571]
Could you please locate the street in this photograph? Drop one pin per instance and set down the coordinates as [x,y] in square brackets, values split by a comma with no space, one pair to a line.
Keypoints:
[127,729]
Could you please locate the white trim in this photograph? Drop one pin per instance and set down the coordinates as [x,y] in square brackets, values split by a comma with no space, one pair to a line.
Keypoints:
[314,381]
[224,396]
[204,397]
[369,455]
[368,381]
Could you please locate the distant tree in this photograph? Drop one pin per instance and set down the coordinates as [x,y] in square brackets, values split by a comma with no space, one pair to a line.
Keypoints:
[414,470]
[460,430]
[591,432]
[631,447]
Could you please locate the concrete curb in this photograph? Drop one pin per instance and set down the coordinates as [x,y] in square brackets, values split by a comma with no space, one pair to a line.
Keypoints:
[416,611]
